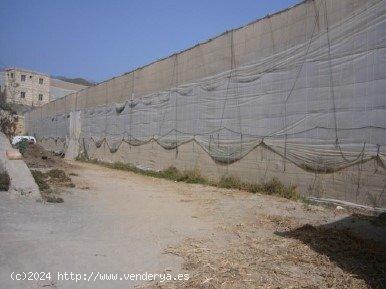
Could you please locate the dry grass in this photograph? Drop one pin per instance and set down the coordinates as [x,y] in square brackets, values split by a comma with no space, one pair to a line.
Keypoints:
[273,187]
[58,175]
[302,257]
[51,178]
[41,180]
[170,173]
[361,258]
[265,250]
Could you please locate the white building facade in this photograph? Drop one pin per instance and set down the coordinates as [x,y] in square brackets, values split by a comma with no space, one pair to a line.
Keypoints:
[31,88]
[25,87]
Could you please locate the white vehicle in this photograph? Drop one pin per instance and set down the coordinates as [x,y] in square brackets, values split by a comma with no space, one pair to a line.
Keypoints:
[19,138]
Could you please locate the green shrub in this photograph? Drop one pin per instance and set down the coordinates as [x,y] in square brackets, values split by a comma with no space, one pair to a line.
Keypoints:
[22,146]
[7,107]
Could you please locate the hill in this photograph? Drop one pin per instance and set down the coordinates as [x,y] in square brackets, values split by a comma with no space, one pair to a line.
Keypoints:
[77,80]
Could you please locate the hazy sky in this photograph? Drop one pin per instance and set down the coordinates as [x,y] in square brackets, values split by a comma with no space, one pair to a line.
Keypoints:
[98,39]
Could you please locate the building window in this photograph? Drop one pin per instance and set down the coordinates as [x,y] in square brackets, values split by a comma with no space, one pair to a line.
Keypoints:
[40,97]
[22,94]
[22,77]
[12,75]
[30,77]
[40,80]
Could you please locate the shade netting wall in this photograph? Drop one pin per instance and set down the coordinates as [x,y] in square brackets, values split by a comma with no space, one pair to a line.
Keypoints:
[307,84]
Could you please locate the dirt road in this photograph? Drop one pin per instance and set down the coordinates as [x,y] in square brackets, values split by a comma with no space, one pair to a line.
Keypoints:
[121,222]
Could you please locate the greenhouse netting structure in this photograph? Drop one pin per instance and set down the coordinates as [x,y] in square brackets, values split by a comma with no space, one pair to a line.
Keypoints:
[299,96]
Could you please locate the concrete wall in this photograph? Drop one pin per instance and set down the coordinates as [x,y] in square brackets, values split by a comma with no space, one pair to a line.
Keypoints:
[22,182]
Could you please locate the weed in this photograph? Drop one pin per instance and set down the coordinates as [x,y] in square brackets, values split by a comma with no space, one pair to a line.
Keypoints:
[4,181]
[70,185]
[43,181]
[170,173]
[49,197]
[255,188]
[40,179]
[230,182]
[54,199]
[191,177]
[306,204]
[58,175]
[273,187]
[82,158]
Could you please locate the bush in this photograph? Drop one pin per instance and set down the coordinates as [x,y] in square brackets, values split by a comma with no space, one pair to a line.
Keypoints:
[8,123]
[22,146]
[7,107]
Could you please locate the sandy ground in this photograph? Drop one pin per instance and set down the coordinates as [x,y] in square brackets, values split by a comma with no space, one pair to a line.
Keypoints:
[121,222]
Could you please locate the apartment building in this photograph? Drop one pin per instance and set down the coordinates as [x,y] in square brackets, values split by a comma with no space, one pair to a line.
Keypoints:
[25,87]
[32,88]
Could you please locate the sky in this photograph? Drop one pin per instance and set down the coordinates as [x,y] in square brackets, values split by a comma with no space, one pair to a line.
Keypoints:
[98,40]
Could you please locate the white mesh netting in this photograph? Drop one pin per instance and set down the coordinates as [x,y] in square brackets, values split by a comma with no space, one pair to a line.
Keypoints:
[319,103]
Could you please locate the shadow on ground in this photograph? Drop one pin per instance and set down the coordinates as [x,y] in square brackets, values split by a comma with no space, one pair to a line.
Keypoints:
[357,244]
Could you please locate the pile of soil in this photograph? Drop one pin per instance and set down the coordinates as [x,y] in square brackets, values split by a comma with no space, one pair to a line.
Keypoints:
[49,172]
[37,157]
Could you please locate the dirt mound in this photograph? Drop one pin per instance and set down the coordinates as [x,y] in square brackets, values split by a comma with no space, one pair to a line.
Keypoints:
[37,157]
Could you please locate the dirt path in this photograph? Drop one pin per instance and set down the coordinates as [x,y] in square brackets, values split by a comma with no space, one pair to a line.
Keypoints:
[121,222]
